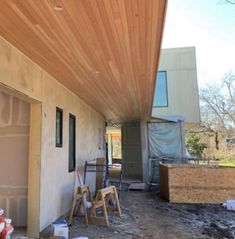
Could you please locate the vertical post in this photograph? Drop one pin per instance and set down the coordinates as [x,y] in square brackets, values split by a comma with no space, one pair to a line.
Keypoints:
[84,179]
[144,150]
[183,146]
[109,148]
[34,170]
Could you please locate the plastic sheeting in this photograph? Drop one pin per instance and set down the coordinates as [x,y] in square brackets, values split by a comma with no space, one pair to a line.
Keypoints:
[165,141]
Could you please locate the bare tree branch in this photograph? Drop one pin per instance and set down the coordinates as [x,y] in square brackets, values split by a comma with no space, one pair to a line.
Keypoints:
[218,104]
[230,1]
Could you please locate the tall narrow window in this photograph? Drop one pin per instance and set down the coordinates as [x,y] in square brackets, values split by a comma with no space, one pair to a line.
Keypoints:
[72,143]
[59,127]
[160,94]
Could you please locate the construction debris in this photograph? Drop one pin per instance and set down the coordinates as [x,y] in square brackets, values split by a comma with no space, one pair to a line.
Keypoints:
[80,238]
[138,187]
[230,205]
[56,237]
[61,229]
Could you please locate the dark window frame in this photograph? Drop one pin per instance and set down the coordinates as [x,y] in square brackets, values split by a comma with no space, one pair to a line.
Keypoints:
[59,112]
[72,169]
[167,96]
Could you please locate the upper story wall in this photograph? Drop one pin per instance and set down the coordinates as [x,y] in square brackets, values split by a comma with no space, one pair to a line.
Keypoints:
[182,86]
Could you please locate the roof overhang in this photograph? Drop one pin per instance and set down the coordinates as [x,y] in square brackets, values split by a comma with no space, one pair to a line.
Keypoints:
[105,51]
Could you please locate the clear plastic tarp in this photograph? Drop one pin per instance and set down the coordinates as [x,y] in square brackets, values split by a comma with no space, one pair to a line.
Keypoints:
[165,145]
[165,141]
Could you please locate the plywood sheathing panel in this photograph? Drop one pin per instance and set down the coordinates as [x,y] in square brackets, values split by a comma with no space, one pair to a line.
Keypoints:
[164,181]
[197,184]
[104,51]
[100,176]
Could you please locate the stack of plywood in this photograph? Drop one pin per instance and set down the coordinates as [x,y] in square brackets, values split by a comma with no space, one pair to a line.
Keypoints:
[185,183]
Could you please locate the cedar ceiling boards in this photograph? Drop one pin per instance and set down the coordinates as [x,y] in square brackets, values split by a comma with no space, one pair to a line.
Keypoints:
[105,51]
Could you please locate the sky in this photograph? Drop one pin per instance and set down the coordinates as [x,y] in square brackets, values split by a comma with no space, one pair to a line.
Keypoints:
[209,25]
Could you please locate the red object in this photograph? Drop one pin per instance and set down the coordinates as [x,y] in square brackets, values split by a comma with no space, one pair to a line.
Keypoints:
[7,230]
[2,219]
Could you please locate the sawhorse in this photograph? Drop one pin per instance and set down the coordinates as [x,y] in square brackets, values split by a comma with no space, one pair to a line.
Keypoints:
[103,198]
[82,192]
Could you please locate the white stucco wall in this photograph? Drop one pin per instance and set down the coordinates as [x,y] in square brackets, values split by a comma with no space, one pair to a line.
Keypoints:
[20,76]
[56,182]
[183,99]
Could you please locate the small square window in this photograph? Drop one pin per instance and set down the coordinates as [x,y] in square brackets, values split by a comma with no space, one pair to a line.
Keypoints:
[59,127]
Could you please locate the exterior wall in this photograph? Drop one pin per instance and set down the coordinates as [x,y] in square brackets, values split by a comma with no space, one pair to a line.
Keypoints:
[14,153]
[56,183]
[27,80]
[183,99]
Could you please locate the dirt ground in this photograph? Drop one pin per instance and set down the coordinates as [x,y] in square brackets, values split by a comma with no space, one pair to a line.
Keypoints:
[146,215]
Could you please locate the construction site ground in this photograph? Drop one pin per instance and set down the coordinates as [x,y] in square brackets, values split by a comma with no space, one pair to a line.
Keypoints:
[147,215]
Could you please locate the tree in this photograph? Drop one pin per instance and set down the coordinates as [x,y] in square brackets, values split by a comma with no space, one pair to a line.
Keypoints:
[218,109]
[218,105]
[194,145]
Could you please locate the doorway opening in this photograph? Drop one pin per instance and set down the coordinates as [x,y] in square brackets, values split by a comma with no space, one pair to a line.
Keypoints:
[20,158]
[14,158]
[114,152]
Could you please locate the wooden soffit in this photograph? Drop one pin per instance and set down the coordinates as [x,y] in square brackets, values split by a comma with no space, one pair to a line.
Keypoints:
[105,51]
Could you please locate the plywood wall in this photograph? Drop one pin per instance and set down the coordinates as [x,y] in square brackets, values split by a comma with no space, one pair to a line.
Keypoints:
[197,184]
[14,147]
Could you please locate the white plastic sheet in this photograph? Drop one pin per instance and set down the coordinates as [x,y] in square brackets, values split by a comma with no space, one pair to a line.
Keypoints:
[230,204]
[165,141]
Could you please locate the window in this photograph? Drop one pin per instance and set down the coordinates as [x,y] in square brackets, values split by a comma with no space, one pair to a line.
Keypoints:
[160,94]
[72,143]
[59,127]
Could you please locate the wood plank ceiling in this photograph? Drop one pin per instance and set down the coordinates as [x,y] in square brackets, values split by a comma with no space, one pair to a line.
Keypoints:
[105,51]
